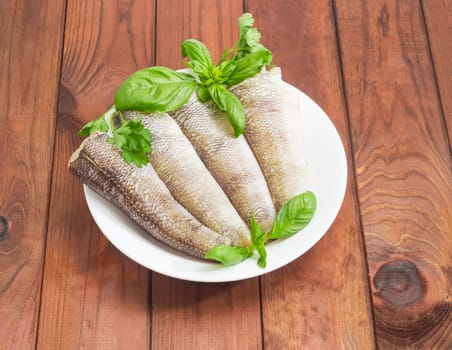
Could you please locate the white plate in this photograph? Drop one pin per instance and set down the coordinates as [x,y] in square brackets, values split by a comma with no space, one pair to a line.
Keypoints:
[328,170]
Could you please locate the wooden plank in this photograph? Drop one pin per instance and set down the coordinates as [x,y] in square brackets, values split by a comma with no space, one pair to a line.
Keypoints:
[187,315]
[192,315]
[320,301]
[212,22]
[30,50]
[438,18]
[403,170]
[93,296]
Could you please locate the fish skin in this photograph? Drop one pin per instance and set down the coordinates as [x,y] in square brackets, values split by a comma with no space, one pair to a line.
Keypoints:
[230,160]
[142,195]
[274,132]
[178,165]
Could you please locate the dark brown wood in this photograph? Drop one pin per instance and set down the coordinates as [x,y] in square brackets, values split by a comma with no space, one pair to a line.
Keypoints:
[192,315]
[93,297]
[30,50]
[403,168]
[313,303]
[382,72]
[188,315]
[438,18]
[214,22]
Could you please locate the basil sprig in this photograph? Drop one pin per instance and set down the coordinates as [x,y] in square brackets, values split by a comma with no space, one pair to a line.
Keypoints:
[211,80]
[245,59]
[229,255]
[161,89]
[229,103]
[291,218]
[155,89]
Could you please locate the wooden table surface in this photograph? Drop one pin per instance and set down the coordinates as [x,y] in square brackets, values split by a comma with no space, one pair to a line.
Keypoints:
[380,278]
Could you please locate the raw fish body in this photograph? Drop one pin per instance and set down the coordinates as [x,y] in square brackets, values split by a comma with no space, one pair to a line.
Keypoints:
[177,164]
[230,160]
[273,130]
[202,183]
[142,195]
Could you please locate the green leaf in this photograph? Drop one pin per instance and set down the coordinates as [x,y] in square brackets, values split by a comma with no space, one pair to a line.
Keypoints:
[294,215]
[200,59]
[249,41]
[203,93]
[228,255]
[227,68]
[134,140]
[98,124]
[258,238]
[262,261]
[138,158]
[229,103]
[266,54]
[155,89]
[252,37]
[119,140]
[249,36]
[247,67]
[257,234]
[246,21]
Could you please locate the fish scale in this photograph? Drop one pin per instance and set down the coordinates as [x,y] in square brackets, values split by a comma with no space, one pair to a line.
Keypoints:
[230,160]
[142,195]
[202,183]
[178,165]
[274,131]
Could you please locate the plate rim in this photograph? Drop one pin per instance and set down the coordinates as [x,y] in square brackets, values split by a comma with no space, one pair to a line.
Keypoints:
[217,274]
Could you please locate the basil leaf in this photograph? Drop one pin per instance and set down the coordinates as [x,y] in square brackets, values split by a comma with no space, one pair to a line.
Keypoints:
[155,89]
[203,93]
[247,67]
[200,59]
[294,215]
[228,255]
[257,234]
[229,103]
[227,68]
[262,261]
[258,239]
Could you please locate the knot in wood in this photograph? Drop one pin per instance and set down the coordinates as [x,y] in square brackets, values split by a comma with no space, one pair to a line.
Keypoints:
[399,283]
[3,228]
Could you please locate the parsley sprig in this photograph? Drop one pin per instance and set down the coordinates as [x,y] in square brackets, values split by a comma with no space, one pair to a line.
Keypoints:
[131,137]
[291,218]
[248,43]
[161,89]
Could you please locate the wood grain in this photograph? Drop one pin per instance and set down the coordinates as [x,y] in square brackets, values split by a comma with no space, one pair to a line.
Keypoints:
[438,19]
[403,169]
[30,50]
[213,22]
[93,296]
[188,315]
[192,315]
[308,304]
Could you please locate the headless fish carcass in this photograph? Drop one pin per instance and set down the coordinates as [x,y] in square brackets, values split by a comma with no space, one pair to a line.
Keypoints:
[202,184]
[143,196]
[275,132]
